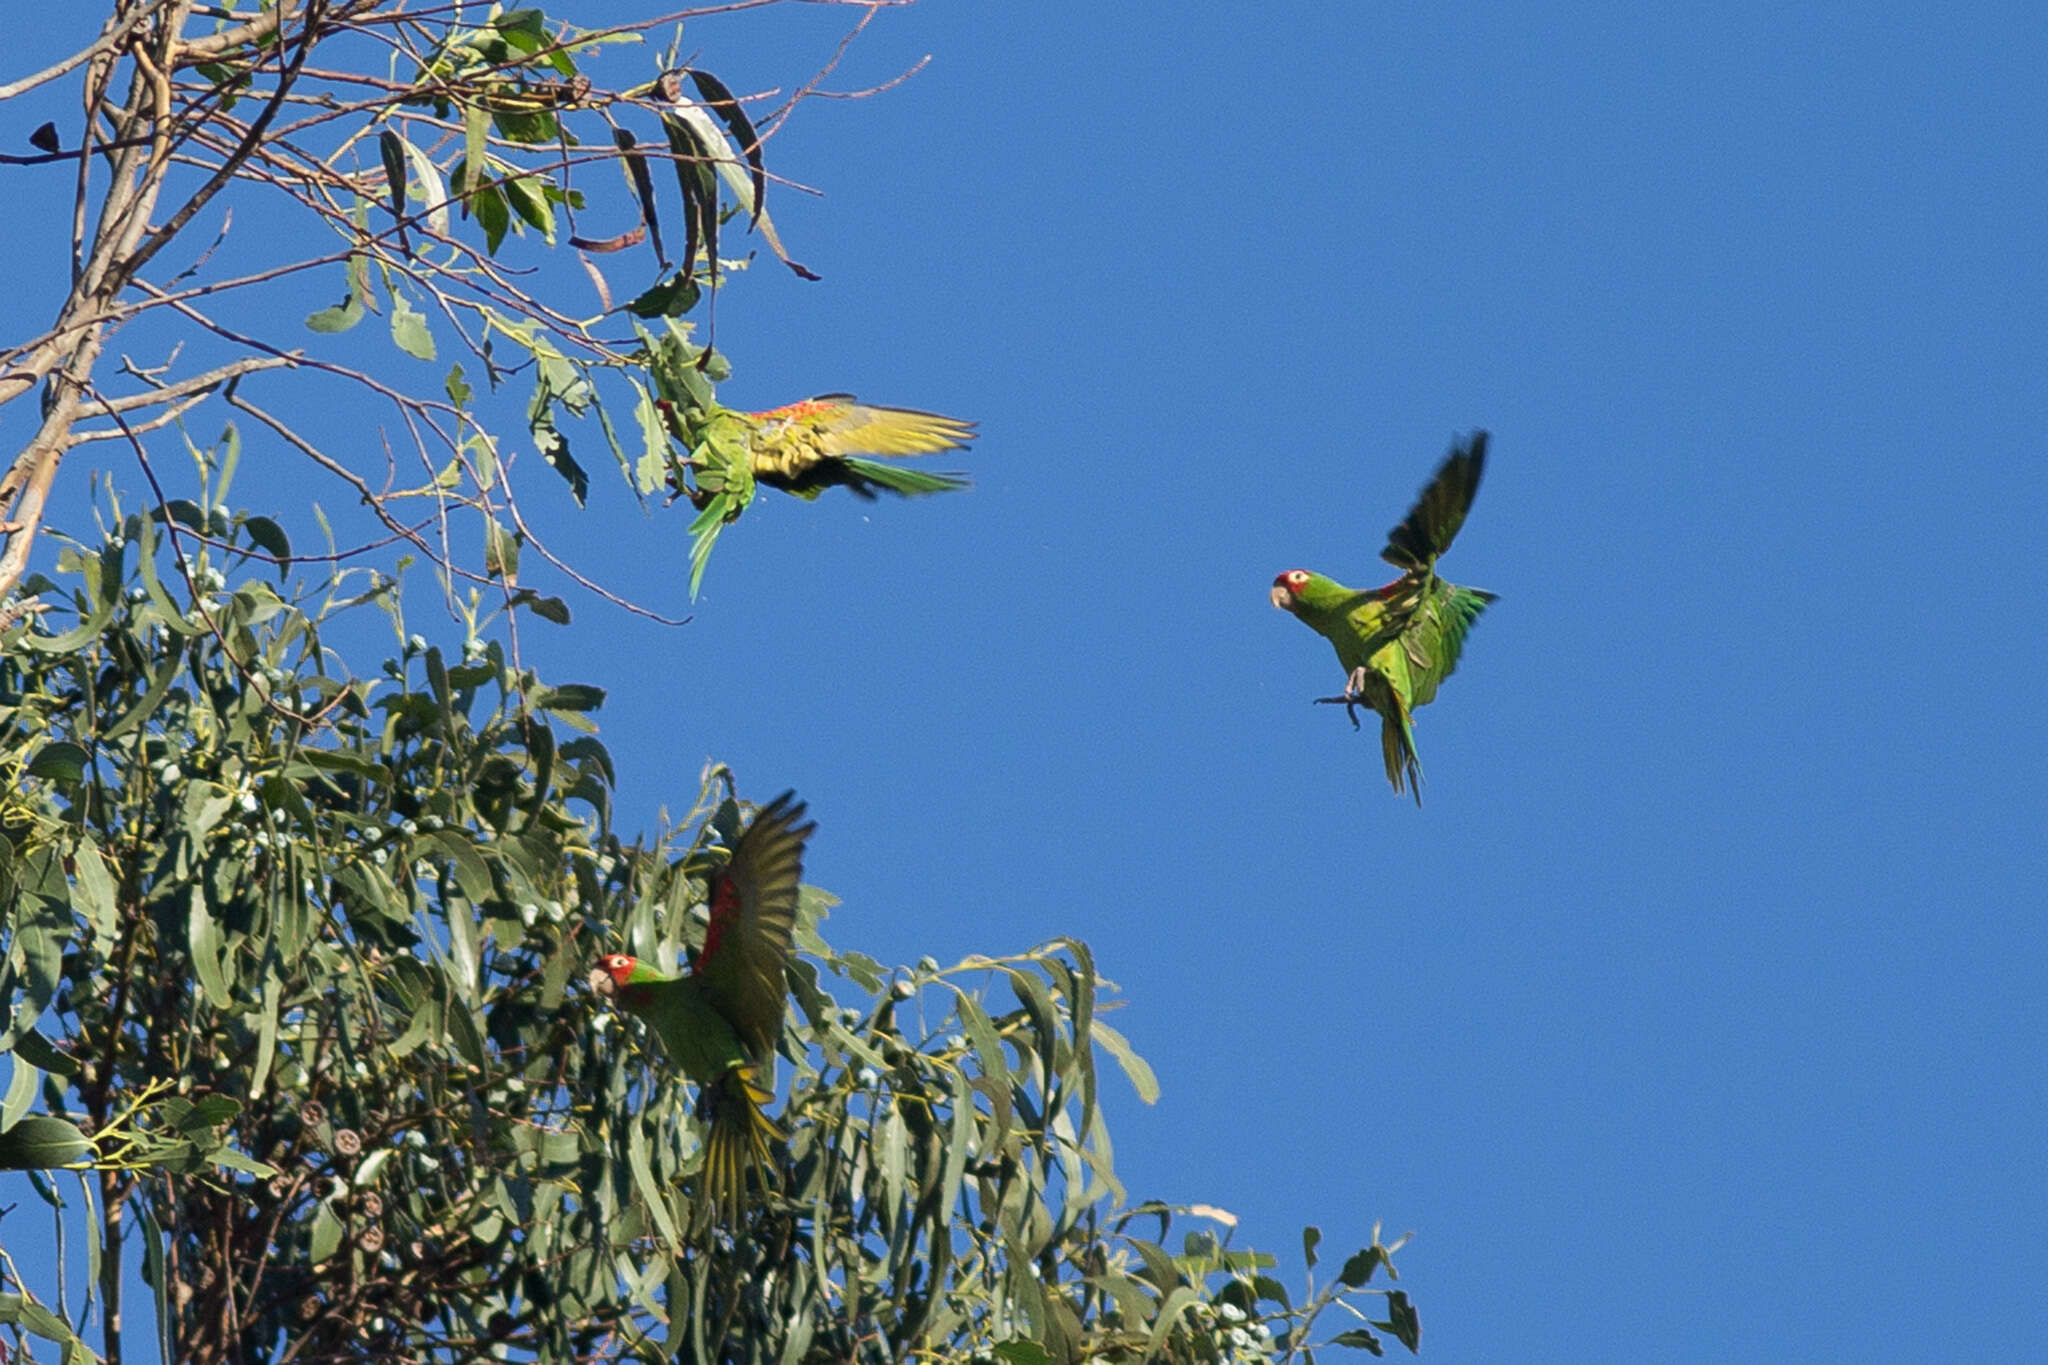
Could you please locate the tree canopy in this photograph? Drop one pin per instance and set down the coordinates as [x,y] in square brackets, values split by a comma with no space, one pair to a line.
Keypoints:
[296,956]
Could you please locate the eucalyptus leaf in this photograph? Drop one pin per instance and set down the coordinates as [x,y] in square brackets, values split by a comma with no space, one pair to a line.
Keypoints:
[40,1141]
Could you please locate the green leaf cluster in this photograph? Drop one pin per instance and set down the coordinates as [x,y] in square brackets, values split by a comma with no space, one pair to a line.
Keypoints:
[313,946]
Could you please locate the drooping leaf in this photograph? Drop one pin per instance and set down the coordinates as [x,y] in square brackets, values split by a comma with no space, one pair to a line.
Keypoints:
[1358,1269]
[501,551]
[63,763]
[433,192]
[354,305]
[42,1142]
[390,149]
[554,448]
[721,102]
[41,1053]
[670,298]
[1402,1320]
[694,158]
[409,330]
[642,181]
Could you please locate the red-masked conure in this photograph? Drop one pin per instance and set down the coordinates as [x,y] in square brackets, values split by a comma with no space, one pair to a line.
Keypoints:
[805,448]
[1400,641]
[721,1023]
[802,448]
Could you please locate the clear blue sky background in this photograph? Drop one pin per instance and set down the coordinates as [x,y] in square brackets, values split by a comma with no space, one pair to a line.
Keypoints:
[1699,1014]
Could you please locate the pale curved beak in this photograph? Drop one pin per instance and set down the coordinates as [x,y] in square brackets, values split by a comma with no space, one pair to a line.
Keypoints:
[1282,598]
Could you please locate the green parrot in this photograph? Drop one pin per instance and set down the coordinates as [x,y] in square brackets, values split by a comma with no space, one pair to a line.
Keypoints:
[801,448]
[1399,642]
[805,448]
[722,1022]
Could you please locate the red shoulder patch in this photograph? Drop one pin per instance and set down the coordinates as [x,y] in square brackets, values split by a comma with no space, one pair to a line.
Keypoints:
[725,907]
[809,407]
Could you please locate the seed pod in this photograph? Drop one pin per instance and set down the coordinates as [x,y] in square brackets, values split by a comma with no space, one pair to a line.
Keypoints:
[347,1141]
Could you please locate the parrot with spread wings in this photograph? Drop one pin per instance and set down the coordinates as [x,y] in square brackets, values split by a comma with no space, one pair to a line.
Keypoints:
[1399,642]
[803,449]
[722,1021]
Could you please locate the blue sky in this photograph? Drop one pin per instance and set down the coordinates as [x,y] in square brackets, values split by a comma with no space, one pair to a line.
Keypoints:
[1698,1014]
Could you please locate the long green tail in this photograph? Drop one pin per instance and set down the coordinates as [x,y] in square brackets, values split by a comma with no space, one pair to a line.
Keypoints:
[1397,747]
[863,477]
[897,478]
[739,1142]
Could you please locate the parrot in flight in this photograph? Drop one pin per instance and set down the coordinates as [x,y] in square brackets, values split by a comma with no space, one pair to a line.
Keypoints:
[801,448]
[805,448]
[722,1022]
[1399,642]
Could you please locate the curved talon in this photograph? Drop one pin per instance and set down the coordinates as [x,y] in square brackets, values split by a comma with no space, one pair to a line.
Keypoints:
[1350,704]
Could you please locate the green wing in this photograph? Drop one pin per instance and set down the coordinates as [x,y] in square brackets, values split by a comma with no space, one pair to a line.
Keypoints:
[693,1031]
[1435,634]
[863,477]
[753,914]
[1434,520]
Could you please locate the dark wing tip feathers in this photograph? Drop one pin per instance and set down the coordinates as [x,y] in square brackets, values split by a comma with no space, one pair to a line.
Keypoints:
[1433,522]
[754,903]
[769,853]
[784,811]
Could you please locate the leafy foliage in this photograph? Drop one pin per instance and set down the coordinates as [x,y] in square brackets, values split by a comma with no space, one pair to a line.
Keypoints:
[431,175]
[293,958]
[333,931]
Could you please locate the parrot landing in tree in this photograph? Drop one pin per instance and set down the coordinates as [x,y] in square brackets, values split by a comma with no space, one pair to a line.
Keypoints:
[801,448]
[722,1022]
[805,448]
[1399,642]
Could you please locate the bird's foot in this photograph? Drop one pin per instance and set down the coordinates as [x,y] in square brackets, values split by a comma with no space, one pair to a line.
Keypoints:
[1348,702]
[1353,698]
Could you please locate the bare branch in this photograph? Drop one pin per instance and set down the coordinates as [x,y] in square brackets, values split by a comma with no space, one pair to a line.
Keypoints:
[111,37]
[411,172]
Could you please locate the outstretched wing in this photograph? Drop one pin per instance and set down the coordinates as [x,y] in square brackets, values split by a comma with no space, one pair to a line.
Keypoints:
[1435,635]
[753,913]
[1434,520]
[835,424]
